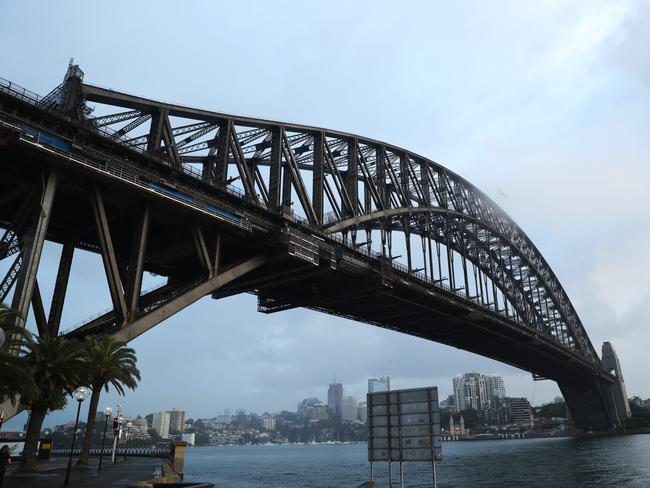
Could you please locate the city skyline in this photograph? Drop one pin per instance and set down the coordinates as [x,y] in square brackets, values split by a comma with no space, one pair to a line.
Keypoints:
[164,421]
[520,132]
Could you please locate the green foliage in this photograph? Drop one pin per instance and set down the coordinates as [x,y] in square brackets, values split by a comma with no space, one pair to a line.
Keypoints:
[59,365]
[551,410]
[112,364]
[15,377]
[640,418]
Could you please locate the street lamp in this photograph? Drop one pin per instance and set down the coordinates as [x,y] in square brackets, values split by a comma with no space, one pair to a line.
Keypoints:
[80,395]
[129,425]
[107,413]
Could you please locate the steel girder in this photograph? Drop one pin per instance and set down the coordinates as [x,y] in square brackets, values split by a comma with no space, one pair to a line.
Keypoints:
[357,184]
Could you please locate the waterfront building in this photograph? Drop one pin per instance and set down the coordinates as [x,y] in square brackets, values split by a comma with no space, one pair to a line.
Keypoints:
[189,438]
[495,387]
[176,420]
[457,428]
[160,423]
[139,425]
[362,412]
[224,418]
[268,423]
[335,399]
[349,409]
[319,412]
[507,411]
[520,411]
[376,385]
[474,391]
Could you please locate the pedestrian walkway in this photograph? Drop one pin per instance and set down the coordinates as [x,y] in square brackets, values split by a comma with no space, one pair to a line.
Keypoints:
[52,474]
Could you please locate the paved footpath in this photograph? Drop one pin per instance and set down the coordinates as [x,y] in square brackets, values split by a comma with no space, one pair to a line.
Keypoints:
[52,474]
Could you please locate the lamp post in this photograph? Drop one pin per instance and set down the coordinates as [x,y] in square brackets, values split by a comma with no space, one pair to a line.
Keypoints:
[126,438]
[107,414]
[80,395]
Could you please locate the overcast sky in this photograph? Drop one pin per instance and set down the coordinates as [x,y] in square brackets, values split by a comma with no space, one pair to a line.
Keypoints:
[545,106]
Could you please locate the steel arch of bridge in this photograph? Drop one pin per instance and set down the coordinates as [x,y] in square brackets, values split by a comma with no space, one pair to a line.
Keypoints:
[366,185]
[320,185]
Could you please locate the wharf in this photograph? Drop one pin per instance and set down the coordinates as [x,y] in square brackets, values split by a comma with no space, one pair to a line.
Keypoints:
[122,474]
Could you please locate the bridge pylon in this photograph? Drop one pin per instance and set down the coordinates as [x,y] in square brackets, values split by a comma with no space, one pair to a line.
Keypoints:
[598,402]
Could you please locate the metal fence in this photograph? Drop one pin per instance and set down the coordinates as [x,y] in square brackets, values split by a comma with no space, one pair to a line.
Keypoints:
[157,450]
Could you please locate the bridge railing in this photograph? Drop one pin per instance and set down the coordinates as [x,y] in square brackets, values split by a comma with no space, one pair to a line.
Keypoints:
[19,92]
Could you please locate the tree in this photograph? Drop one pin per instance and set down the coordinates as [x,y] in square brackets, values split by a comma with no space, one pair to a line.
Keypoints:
[112,363]
[58,365]
[14,373]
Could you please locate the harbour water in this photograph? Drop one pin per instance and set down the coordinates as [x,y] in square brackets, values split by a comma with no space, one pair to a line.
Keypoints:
[620,462]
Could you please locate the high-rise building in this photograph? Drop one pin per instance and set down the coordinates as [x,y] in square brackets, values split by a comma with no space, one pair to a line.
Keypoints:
[335,399]
[224,418]
[160,423]
[474,391]
[495,387]
[176,420]
[362,412]
[319,412]
[376,385]
[520,411]
[268,423]
[349,412]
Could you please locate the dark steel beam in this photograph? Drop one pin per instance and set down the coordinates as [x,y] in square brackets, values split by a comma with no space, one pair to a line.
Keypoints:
[108,255]
[141,238]
[39,311]
[318,176]
[33,241]
[60,288]
[143,324]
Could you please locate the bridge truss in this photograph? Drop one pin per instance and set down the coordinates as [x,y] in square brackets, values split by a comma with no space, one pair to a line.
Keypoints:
[285,211]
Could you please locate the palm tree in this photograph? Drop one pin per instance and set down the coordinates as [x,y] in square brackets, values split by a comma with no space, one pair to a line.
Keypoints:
[58,365]
[15,376]
[113,364]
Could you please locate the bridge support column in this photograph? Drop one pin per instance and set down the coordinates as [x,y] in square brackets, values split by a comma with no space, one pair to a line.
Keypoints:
[60,288]
[587,405]
[598,403]
[108,255]
[33,241]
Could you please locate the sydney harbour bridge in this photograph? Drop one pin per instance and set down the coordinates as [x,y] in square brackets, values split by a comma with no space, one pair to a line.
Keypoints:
[217,204]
